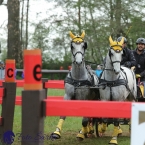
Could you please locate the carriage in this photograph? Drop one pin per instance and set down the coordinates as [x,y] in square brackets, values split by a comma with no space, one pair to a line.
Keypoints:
[81,83]
[119,85]
[122,121]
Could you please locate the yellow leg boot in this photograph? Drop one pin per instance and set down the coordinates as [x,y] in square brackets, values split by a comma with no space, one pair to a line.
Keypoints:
[81,135]
[119,130]
[113,141]
[57,133]
[90,130]
[102,128]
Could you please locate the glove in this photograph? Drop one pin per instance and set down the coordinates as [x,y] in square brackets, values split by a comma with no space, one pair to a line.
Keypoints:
[127,64]
[138,75]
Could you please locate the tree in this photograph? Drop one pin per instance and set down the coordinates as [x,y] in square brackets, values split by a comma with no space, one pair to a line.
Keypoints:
[14,49]
[1,1]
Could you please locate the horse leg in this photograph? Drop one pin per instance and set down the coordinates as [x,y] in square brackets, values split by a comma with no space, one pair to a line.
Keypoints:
[91,126]
[102,127]
[84,131]
[57,133]
[113,141]
[119,130]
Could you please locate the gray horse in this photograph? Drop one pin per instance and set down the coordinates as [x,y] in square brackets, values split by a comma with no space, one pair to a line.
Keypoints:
[78,83]
[119,84]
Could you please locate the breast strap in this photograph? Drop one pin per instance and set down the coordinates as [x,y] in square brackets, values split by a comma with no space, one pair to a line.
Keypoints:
[77,83]
[115,83]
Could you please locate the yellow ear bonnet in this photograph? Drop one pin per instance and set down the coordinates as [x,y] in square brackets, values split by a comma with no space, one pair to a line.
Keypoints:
[116,45]
[77,38]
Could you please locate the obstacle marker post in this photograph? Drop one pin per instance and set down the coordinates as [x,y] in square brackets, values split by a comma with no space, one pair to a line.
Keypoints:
[8,101]
[32,99]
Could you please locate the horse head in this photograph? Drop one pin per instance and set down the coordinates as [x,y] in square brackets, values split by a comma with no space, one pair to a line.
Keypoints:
[78,47]
[115,54]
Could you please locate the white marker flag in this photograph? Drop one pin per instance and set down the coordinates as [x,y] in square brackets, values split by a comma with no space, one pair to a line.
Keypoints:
[138,124]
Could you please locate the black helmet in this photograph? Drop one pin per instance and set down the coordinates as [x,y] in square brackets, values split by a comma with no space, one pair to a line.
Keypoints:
[140,40]
[119,39]
[1,62]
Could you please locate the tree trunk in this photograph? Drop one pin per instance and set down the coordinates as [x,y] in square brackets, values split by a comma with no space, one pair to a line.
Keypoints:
[111,14]
[118,12]
[22,16]
[27,24]
[79,16]
[14,49]
[1,1]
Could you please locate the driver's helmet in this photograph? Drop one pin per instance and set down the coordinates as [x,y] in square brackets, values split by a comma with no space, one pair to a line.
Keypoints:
[119,39]
[140,40]
[1,62]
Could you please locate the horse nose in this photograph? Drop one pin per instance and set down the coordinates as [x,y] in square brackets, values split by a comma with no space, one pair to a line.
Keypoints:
[78,62]
[116,71]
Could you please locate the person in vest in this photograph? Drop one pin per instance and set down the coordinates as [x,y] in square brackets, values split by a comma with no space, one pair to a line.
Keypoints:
[128,59]
[139,54]
[98,71]
[2,70]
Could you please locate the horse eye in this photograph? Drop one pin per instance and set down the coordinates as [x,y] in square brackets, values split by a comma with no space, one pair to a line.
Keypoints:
[72,46]
[110,53]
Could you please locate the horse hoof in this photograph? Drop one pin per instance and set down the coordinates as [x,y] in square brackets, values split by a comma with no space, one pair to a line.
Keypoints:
[90,135]
[113,142]
[86,135]
[101,134]
[54,136]
[119,132]
[80,137]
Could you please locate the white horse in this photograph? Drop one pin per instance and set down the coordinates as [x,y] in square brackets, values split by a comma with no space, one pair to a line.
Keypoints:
[119,83]
[78,83]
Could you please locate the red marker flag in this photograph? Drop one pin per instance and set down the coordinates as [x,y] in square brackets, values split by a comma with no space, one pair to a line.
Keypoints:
[32,69]
[10,70]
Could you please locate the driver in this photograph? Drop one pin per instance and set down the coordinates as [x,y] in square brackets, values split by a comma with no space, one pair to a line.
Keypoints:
[139,55]
[128,58]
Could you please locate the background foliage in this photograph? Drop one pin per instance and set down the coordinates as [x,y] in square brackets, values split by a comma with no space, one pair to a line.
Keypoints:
[99,19]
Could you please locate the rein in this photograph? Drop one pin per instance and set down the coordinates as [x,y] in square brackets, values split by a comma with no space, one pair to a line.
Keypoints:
[117,51]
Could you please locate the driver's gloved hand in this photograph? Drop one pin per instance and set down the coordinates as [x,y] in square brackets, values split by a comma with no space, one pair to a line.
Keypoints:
[127,64]
[138,75]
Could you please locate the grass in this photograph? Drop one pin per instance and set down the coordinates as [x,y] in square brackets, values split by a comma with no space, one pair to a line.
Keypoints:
[69,130]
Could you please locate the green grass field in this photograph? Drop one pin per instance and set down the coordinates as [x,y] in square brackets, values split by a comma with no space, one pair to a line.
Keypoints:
[70,128]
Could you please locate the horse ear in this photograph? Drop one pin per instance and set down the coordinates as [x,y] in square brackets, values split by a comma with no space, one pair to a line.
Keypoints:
[83,35]
[122,41]
[71,35]
[85,45]
[111,41]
